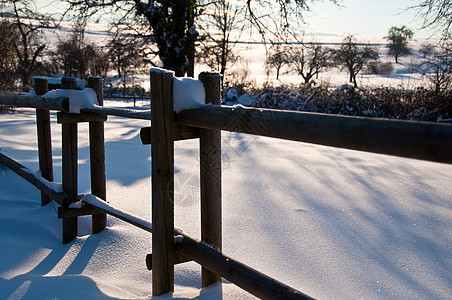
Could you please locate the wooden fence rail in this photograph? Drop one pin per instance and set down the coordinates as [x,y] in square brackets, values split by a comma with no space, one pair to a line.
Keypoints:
[119,112]
[251,280]
[420,140]
[61,197]
[38,102]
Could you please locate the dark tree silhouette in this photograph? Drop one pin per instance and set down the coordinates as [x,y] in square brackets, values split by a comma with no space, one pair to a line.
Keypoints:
[310,59]
[172,23]
[277,57]
[437,68]
[8,60]
[217,39]
[26,23]
[398,38]
[354,56]
[436,14]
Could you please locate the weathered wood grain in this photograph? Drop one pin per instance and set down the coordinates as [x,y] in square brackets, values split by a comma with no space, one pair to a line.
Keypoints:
[210,177]
[97,157]
[420,140]
[162,132]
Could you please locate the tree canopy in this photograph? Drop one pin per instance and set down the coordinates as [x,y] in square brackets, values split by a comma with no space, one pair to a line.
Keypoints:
[398,38]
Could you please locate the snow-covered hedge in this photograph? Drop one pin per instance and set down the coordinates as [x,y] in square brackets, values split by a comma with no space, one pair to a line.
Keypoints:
[385,102]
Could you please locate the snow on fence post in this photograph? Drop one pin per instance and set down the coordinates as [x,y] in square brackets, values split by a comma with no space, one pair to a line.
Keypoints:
[97,157]
[162,150]
[69,166]
[210,176]
[41,87]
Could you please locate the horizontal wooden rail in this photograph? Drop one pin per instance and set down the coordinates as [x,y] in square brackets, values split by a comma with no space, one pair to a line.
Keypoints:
[63,117]
[97,203]
[70,212]
[120,112]
[420,140]
[61,197]
[61,103]
[106,96]
[253,281]
[180,133]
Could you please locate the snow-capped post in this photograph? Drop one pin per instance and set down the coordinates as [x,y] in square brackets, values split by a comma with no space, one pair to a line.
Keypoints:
[69,166]
[210,176]
[97,157]
[41,87]
[162,150]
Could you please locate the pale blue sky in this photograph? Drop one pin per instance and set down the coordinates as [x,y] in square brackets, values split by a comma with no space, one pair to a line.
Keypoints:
[364,18]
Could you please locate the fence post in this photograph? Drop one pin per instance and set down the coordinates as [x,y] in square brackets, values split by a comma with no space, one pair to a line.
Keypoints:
[210,176]
[162,149]
[97,157]
[69,166]
[41,87]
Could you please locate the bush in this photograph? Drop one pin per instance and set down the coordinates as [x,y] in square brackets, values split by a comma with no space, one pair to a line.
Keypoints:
[380,68]
[419,104]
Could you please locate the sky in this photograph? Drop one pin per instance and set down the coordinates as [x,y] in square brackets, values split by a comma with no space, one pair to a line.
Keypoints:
[363,18]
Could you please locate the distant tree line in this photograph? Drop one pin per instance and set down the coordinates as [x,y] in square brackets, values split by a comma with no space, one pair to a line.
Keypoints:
[310,59]
[180,32]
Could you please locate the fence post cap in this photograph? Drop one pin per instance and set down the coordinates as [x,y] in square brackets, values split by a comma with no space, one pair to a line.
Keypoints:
[160,70]
[206,74]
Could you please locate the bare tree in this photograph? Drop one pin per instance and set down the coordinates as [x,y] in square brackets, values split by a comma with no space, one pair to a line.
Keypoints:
[436,14]
[354,57]
[171,23]
[398,38]
[277,57]
[216,34]
[100,63]
[124,55]
[8,59]
[75,56]
[278,17]
[437,68]
[309,60]
[27,23]
[426,49]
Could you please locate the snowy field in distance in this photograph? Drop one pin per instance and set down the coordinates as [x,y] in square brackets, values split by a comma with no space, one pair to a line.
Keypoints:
[253,56]
[332,223]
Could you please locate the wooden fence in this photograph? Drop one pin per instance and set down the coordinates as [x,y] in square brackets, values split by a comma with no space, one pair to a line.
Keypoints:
[170,246]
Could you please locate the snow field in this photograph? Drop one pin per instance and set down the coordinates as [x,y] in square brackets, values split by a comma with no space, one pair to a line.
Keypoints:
[332,223]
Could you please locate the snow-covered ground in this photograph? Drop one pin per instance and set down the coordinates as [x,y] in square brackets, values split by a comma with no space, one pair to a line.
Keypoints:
[335,224]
